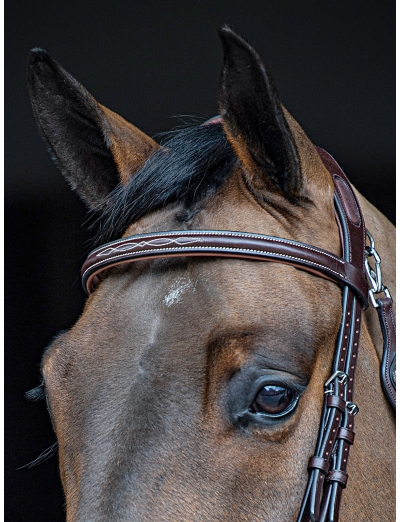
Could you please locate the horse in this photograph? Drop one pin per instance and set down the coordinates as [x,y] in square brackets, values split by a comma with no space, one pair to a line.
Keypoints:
[192,387]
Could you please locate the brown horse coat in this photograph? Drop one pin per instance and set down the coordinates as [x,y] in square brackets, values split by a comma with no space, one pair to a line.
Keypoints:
[145,390]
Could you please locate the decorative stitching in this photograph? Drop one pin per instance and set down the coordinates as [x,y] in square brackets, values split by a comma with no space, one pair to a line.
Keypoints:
[160,242]
[345,220]
[271,239]
[390,387]
[285,256]
[392,317]
[350,191]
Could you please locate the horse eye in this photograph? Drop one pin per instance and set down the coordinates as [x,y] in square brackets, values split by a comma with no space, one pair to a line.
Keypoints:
[275,401]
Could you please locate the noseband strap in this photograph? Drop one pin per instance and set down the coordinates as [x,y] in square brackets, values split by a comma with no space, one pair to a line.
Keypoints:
[328,466]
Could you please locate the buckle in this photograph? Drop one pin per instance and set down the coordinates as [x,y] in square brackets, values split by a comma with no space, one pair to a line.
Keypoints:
[353,408]
[374,274]
[343,379]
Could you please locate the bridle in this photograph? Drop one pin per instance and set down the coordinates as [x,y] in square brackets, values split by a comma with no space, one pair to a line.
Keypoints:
[360,282]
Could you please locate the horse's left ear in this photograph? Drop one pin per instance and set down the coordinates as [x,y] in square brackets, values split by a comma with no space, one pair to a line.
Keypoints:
[254,120]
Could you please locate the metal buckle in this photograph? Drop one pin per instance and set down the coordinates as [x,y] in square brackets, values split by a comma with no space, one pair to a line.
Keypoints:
[374,274]
[371,294]
[343,379]
[353,408]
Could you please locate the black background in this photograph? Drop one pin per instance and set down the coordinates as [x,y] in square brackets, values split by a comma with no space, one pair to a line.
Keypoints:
[333,63]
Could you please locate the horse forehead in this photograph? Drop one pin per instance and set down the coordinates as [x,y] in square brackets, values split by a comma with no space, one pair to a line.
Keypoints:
[185,297]
[266,288]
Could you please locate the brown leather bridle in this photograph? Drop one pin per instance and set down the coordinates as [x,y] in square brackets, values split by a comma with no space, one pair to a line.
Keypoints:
[360,283]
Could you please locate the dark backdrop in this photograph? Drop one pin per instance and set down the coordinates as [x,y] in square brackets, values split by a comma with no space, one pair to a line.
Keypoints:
[334,67]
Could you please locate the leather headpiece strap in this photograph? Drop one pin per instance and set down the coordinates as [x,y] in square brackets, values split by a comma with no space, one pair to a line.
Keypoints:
[360,283]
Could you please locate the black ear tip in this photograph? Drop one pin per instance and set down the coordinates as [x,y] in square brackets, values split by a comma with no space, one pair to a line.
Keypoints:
[231,39]
[38,51]
[41,62]
[41,65]
[38,55]
[225,29]
[227,32]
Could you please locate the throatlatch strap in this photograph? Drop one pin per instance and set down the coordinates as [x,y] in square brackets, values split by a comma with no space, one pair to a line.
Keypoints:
[388,365]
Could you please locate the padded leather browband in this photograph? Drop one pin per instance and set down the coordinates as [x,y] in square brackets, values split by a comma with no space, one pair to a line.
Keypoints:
[224,244]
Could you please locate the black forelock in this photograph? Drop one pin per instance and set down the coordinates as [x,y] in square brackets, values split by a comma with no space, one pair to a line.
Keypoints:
[191,163]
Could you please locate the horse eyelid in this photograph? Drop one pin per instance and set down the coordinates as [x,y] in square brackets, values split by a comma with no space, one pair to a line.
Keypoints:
[297,387]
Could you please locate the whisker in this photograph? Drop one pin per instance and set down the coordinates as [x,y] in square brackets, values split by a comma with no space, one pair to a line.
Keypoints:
[42,457]
[37,394]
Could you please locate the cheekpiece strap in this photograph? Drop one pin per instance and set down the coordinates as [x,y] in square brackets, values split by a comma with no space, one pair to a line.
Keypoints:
[323,494]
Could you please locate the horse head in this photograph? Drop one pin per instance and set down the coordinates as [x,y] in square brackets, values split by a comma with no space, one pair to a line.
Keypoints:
[190,387]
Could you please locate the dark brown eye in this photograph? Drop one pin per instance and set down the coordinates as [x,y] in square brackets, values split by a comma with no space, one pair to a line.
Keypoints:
[275,401]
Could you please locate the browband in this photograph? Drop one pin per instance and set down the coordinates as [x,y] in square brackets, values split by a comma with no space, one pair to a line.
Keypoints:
[328,466]
[224,244]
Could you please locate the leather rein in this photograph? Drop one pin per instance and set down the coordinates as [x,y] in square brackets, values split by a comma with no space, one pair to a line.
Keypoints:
[360,282]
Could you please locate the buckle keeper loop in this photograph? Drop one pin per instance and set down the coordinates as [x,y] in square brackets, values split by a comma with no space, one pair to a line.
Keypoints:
[335,475]
[334,401]
[319,463]
[345,434]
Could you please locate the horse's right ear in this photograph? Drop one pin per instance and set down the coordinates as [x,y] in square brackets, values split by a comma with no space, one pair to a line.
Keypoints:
[95,148]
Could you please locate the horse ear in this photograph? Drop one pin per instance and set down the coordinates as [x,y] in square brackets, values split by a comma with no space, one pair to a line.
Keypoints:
[95,148]
[254,120]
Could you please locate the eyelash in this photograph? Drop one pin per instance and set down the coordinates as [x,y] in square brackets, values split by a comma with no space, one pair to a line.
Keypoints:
[37,394]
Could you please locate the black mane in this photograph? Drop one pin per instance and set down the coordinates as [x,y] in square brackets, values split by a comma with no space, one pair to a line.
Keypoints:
[192,162]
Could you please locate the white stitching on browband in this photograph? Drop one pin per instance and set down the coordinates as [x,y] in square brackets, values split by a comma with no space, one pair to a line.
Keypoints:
[154,242]
[222,233]
[304,261]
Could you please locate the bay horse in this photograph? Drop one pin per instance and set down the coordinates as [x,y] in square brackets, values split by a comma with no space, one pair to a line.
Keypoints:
[192,387]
